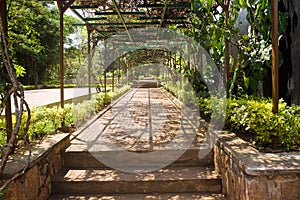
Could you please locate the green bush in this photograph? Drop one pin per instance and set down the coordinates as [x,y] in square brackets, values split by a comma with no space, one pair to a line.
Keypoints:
[46,120]
[253,117]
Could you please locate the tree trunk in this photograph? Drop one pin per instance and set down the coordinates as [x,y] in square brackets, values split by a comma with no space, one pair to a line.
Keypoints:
[8,113]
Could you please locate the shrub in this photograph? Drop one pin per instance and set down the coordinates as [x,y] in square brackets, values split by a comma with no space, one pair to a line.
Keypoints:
[46,120]
[253,117]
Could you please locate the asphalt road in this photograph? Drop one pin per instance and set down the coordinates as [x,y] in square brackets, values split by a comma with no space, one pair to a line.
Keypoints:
[44,97]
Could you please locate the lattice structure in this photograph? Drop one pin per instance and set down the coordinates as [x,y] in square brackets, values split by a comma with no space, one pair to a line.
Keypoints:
[109,17]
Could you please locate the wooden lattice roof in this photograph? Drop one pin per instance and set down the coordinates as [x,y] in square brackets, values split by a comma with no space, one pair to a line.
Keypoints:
[110,17]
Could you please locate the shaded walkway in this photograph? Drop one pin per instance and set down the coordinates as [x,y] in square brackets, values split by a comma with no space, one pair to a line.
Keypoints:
[144,147]
[145,119]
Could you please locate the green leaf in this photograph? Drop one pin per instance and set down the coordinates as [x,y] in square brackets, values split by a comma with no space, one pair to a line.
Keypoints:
[20,71]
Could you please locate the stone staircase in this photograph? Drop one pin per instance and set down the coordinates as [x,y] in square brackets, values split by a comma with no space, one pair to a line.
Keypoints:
[85,177]
[147,82]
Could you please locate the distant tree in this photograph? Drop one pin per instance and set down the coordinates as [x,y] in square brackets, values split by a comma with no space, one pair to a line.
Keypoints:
[34,35]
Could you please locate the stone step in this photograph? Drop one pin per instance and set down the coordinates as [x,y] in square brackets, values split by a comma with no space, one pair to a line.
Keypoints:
[168,196]
[109,181]
[147,84]
[78,157]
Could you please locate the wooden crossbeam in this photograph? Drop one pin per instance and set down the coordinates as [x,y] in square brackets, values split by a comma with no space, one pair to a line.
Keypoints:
[117,23]
[129,23]
[177,5]
[94,18]
[123,13]
[84,7]
[158,17]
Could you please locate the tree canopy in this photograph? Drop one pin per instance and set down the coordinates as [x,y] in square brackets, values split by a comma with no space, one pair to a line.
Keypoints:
[34,38]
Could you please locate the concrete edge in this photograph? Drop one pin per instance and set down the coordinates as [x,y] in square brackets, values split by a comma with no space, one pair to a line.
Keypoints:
[21,160]
[255,163]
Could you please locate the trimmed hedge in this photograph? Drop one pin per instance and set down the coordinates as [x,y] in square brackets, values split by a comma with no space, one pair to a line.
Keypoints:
[252,118]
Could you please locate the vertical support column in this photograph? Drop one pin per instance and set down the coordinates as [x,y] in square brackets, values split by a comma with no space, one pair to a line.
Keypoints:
[174,76]
[170,67]
[180,70]
[189,58]
[127,71]
[62,9]
[119,68]
[61,58]
[89,31]
[163,69]
[113,70]
[226,59]
[275,85]
[105,67]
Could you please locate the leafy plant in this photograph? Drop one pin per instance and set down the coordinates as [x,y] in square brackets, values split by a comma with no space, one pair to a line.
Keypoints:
[46,120]
[253,117]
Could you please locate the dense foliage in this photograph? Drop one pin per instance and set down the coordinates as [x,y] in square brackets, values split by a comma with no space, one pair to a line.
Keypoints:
[33,44]
[246,27]
[33,30]
[247,31]
[251,118]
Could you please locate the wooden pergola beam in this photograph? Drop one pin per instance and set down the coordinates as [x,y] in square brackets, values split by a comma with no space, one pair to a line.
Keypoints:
[166,17]
[94,18]
[123,13]
[129,23]
[84,6]
[176,5]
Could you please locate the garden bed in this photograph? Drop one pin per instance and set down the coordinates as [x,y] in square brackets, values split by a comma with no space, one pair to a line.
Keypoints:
[31,175]
[250,174]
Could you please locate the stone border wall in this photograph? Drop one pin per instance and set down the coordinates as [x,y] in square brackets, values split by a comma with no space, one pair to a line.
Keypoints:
[249,174]
[45,161]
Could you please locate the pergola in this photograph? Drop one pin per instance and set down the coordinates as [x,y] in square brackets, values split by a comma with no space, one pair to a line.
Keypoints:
[107,18]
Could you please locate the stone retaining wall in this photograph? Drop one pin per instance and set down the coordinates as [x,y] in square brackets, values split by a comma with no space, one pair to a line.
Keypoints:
[249,174]
[45,161]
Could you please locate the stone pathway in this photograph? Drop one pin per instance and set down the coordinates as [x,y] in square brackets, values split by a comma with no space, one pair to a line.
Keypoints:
[145,146]
[143,120]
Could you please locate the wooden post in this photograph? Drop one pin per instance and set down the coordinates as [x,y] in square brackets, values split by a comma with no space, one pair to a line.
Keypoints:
[275,85]
[105,67]
[61,52]
[89,31]
[180,70]
[119,68]
[113,69]
[62,9]
[226,56]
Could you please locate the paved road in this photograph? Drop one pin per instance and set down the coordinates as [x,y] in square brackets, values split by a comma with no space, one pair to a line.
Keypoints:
[43,97]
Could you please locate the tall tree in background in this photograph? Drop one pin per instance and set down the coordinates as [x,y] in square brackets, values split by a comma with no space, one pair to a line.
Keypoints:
[28,48]
[34,35]
[13,88]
